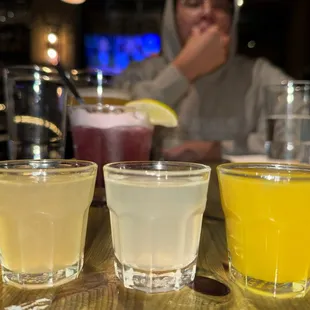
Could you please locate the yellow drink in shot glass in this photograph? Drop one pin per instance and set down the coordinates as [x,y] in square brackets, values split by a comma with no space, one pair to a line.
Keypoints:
[267,213]
[43,219]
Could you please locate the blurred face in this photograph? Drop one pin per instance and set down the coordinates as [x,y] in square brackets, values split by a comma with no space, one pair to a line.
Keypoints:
[202,13]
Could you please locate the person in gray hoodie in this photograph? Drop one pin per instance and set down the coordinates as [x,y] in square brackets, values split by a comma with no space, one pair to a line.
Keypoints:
[217,94]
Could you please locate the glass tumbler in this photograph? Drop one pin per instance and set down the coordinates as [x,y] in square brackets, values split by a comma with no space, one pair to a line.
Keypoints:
[43,218]
[267,213]
[36,112]
[156,211]
[288,120]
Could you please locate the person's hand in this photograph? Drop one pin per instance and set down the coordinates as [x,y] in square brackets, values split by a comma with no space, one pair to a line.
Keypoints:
[194,151]
[204,52]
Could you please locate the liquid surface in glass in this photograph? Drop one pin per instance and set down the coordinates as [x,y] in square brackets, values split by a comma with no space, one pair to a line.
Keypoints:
[156,225]
[267,223]
[43,221]
[108,96]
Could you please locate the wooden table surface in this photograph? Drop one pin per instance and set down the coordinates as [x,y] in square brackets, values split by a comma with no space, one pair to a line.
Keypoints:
[98,288]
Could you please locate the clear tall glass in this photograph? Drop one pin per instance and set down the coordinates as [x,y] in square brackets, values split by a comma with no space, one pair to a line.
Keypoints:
[156,211]
[105,134]
[267,213]
[36,112]
[288,120]
[43,219]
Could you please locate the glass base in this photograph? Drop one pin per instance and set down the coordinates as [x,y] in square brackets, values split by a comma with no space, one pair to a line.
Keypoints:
[278,290]
[155,281]
[42,280]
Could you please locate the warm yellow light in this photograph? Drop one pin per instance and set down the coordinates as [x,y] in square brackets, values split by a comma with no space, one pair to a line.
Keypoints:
[52,53]
[25,119]
[240,2]
[251,44]
[74,1]
[52,38]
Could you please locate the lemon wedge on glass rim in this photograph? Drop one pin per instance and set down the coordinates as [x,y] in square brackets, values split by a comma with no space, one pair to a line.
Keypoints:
[159,113]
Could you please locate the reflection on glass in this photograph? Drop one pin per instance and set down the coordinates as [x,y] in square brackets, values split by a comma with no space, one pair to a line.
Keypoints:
[36,110]
[95,89]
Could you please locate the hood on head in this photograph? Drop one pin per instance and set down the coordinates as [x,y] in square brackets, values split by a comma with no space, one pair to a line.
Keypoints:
[171,45]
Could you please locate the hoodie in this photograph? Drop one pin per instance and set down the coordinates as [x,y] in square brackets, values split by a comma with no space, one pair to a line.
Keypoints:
[226,105]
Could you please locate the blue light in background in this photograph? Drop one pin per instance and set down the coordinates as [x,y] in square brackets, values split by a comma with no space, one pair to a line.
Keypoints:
[151,44]
[113,53]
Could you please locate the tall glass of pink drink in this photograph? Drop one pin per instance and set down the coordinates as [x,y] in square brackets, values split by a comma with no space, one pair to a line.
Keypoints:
[105,134]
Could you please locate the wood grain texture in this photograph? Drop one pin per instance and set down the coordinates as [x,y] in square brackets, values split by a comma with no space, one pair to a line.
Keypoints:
[98,288]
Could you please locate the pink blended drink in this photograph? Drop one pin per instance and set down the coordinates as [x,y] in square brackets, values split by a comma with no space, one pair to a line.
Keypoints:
[105,134]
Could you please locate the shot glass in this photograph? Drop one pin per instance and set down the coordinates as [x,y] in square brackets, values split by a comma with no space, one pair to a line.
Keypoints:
[43,218]
[267,212]
[156,211]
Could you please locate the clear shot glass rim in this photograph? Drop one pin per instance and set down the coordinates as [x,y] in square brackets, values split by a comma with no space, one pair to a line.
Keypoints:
[32,165]
[273,171]
[157,169]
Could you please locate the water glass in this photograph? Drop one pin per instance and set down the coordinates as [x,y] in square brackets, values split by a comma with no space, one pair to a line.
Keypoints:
[43,219]
[267,213]
[36,112]
[287,120]
[156,211]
